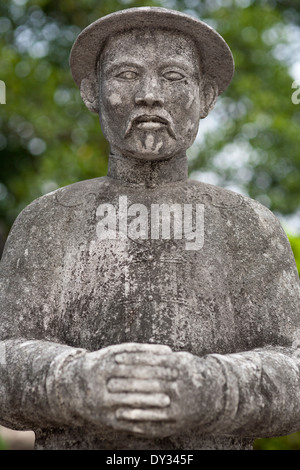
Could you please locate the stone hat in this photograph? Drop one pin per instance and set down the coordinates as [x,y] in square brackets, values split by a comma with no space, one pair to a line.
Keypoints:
[216,57]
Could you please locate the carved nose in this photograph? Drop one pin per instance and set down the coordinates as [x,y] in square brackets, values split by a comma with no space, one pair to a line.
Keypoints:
[149,95]
[149,100]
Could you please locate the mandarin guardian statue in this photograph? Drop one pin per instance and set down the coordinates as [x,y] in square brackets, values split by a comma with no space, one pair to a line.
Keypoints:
[145,310]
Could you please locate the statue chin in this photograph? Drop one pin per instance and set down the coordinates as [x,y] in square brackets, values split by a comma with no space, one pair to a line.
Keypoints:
[146,155]
[151,146]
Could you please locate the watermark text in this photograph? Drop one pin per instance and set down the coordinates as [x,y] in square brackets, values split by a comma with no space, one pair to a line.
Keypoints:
[161,222]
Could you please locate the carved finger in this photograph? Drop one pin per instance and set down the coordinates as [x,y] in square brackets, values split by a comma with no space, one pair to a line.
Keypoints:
[139,347]
[144,428]
[134,385]
[143,372]
[164,360]
[160,400]
[143,415]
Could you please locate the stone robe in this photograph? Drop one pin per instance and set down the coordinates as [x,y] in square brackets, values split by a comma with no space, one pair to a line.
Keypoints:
[235,300]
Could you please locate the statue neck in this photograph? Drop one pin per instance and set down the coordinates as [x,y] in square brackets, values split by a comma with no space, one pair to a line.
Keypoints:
[148,173]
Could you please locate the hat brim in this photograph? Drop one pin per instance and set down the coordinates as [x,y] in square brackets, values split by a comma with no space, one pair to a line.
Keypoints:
[216,57]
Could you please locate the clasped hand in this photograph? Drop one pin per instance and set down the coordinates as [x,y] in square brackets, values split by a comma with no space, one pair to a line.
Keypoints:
[143,388]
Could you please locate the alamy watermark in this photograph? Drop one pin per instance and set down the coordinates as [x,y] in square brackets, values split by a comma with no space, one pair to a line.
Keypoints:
[296,94]
[161,222]
[2,92]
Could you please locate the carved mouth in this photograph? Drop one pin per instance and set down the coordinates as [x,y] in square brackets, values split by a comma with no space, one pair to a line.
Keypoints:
[150,122]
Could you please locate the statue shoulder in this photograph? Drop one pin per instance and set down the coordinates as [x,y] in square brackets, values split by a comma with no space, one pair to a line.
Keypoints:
[216,196]
[249,225]
[33,255]
[239,208]
[46,216]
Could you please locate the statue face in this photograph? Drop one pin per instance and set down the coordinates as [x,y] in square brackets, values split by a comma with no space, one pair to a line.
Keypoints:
[149,94]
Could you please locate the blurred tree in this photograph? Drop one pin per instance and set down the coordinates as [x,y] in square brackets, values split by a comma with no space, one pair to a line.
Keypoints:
[2,444]
[295,244]
[291,442]
[250,143]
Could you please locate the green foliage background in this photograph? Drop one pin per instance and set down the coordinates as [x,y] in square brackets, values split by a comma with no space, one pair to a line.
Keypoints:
[2,444]
[250,142]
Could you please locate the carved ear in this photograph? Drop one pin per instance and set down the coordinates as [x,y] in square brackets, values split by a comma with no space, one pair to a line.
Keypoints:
[89,94]
[209,96]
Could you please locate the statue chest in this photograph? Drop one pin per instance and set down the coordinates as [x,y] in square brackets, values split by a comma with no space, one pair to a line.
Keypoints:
[151,291]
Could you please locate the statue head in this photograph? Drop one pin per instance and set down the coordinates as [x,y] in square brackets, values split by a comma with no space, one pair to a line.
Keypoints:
[151,74]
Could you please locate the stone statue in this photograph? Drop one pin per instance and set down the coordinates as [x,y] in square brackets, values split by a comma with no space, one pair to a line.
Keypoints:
[116,335]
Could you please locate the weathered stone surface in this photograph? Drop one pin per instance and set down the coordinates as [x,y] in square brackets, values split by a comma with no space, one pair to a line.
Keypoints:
[144,342]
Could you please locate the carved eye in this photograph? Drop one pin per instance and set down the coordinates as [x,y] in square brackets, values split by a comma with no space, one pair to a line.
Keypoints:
[127,75]
[173,76]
